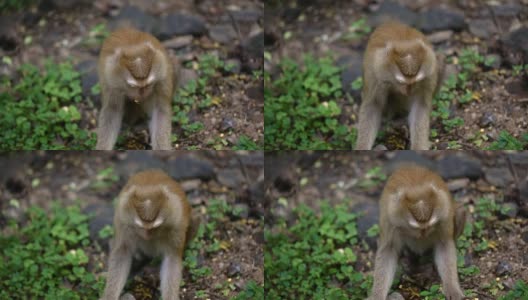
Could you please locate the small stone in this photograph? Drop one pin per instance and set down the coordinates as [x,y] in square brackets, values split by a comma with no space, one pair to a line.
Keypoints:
[482,28]
[487,119]
[227,124]
[231,178]
[457,184]
[188,167]
[233,269]
[223,33]
[178,42]
[440,36]
[178,24]
[503,268]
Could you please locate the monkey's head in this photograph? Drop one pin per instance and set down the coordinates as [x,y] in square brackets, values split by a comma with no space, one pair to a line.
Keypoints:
[139,75]
[148,210]
[406,61]
[420,211]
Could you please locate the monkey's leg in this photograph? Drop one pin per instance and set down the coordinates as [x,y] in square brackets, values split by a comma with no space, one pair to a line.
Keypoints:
[118,269]
[370,114]
[419,122]
[384,269]
[171,274]
[110,119]
[160,125]
[446,264]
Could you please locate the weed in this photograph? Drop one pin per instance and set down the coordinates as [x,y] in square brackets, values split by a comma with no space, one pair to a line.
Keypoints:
[251,291]
[44,259]
[40,111]
[300,110]
[506,141]
[245,143]
[357,30]
[312,259]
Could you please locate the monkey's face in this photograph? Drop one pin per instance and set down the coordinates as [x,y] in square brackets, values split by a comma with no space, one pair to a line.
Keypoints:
[147,210]
[406,64]
[139,73]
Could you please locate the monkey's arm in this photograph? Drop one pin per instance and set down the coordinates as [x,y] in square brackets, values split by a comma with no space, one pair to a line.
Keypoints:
[370,112]
[446,263]
[385,267]
[160,123]
[419,121]
[110,119]
[171,274]
[118,269]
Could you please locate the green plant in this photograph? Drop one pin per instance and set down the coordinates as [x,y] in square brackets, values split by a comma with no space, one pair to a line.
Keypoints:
[198,94]
[506,141]
[373,177]
[517,69]
[44,258]
[520,291]
[40,110]
[105,178]
[301,111]
[251,291]
[8,5]
[206,240]
[245,143]
[357,29]
[433,293]
[312,258]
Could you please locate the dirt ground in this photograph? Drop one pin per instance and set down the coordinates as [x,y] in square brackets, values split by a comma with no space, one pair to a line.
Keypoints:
[72,177]
[341,178]
[66,31]
[320,29]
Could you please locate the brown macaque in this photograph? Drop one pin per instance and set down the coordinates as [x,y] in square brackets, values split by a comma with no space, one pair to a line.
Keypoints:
[400,74]
[136,77]
[153,217]
[417,212]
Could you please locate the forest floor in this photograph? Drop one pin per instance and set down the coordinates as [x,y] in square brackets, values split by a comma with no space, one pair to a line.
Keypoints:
[224,188]
[484,101]
[492,186]
[218,48]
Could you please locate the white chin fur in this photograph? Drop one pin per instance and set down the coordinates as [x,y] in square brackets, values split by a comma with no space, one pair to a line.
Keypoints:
[138,222]
[413,223]
[420,76]
[158,222]
[400,78]
[132,82]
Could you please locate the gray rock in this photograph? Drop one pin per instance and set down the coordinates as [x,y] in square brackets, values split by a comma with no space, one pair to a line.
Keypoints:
[499,177]
[9,39]
[503,268]
[351,65]
[440,36]
[177,24]
[103,214]
[254,45]
[89,78]
[516,44]
[232,178]
[136,161]
[459,166]
[249,16]
[188,167]
[223,33]
[393,10]
[369,216]
[487,119]
[503,10]
[511,211]
[233,269]
[482,28]
[406,157]
[227,124]
[178,42]
[437,19]
[132,15]
[395,296]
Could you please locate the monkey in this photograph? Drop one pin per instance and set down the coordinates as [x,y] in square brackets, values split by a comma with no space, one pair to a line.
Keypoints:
[152,217]
[401,73]
[418,212]
[136,76]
